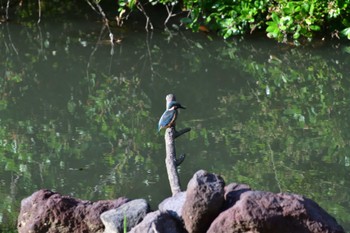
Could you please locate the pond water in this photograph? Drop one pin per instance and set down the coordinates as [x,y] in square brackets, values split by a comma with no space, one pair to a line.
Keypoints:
[79,115]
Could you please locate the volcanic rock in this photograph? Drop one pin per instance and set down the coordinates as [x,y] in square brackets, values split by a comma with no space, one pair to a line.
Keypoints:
[50,212]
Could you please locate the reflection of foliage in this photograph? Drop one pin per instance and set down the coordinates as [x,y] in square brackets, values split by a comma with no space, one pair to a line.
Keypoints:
[108,111]
[112,120]
[99,120]
[271,119]
[302,97]
[30,9]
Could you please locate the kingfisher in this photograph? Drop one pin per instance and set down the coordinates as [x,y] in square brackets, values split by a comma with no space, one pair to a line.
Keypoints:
[169,116]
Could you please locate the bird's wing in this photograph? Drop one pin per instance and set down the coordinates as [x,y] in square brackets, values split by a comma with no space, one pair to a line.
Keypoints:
[166,118]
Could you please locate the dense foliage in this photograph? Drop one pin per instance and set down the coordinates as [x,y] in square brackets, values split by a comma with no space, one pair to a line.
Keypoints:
[286,21]
[281,19]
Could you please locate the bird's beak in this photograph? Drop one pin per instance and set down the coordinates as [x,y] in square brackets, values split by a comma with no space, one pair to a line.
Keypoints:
[182,107]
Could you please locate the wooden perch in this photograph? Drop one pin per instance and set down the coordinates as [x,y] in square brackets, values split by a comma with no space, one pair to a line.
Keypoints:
[171,161]
[179,133]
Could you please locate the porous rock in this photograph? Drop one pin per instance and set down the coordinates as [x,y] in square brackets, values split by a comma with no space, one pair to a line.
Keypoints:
[266,212]
[50,212]
[204,200]
[233,193]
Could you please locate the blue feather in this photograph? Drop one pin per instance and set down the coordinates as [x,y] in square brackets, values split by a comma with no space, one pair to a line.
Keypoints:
[169,116]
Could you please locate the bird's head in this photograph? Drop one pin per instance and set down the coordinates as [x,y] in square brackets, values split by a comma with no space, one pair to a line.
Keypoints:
[175,105]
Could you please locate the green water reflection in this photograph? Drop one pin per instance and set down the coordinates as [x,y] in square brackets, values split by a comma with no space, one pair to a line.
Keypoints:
[79,116]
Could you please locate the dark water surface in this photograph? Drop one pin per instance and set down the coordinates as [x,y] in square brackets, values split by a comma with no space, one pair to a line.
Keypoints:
[79,116]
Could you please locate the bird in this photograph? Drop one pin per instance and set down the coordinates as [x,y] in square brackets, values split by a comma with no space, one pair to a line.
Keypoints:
[169,116]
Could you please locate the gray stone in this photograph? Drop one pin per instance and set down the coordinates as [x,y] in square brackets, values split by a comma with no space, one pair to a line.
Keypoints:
[133,212]
[204,201]
[173,205]
[158,222]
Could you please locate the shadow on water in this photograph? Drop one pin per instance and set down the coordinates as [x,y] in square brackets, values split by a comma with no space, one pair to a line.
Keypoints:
[78,115]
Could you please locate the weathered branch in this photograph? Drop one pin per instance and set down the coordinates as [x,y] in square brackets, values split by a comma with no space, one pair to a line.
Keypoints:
[98,9]
[7,10]
[170,13]
[148,22]
[179,133]
[170,161]
[39,9]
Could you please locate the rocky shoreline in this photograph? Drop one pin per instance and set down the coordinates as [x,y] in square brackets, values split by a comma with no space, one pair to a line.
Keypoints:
[207,205]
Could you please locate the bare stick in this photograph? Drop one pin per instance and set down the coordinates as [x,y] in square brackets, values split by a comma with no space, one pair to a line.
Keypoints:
[10,39]
[92,7]
[7,9]
[39,6]
[148,22]
[94,50]
[182,131]
[98,9]
[170,13]
[170,161]
[149,52]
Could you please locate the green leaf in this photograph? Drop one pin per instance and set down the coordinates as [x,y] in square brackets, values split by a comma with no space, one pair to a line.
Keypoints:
[296,35]
[283,27]
[186,20]
[275,17]
[272,30]
[132,4]
[227,34]
[312,7]
[272,26]
[308,21]
[347,49]
[292,111]
[315,27]
[346,32]
[125,224]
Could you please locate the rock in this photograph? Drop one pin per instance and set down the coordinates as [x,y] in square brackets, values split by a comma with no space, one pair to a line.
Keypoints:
[134,211]
[262,212]
[233,193]
[173,205]
[204,200]
[158,222]
[47,211]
